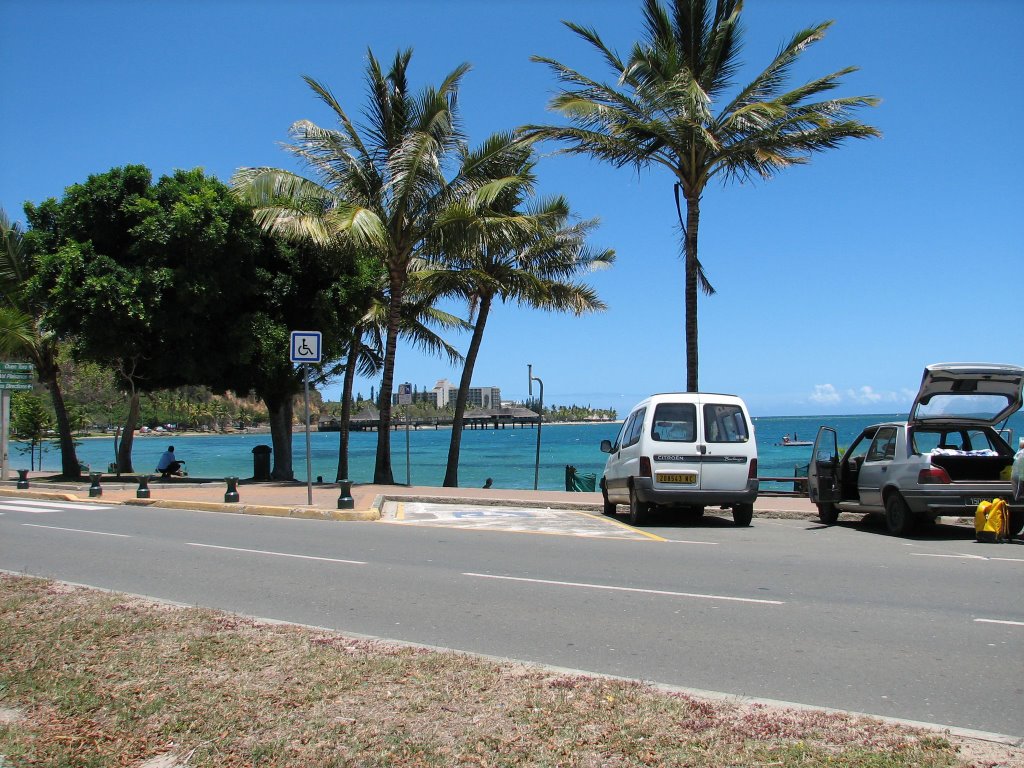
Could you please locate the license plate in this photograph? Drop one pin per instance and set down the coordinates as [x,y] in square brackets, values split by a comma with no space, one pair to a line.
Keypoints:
[683,478]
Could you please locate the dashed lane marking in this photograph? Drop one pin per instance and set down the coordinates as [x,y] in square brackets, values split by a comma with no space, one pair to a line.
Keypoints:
[1000,621]
[278,554]
[969,557]
[613,588]
[77,530]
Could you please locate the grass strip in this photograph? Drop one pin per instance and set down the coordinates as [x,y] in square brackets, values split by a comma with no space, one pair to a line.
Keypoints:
[91,679]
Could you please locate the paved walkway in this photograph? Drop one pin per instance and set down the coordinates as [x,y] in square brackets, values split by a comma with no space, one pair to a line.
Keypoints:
[291,499]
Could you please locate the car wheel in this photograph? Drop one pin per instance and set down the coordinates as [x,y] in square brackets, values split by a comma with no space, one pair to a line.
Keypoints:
[828,513]
[1016,522]
[898,517]
[742,514]
[609,508]
[637,509]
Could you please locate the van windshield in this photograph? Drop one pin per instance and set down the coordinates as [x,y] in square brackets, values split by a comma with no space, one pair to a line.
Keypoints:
[674,423]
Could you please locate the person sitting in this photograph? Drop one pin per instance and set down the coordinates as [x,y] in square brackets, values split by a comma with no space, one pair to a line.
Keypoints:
[168,464]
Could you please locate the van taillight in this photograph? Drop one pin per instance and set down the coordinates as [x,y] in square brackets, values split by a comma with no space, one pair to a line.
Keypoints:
[933,476]
[645,467]
[752,469]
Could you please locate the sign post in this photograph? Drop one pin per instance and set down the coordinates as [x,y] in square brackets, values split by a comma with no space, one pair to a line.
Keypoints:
[405,398]
[13,376]
[306,349]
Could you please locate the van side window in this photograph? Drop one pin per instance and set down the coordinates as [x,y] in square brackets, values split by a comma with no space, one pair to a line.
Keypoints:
[634,428]
[675,423]
[725,424]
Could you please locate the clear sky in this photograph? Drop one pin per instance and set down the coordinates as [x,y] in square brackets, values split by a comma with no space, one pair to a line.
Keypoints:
[837,281]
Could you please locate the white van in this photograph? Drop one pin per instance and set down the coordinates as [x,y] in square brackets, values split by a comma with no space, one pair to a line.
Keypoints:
[684,450]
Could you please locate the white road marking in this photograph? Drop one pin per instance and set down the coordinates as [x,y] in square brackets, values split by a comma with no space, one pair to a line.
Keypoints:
[970,557]
[1000,621]
[77,530]
[278,554]
[627,589]
[22,505]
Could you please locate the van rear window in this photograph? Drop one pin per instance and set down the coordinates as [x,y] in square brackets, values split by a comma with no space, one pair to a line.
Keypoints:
[725,424]
[674,423]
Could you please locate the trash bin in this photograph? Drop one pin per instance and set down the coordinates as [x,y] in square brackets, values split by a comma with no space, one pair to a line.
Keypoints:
[261,462]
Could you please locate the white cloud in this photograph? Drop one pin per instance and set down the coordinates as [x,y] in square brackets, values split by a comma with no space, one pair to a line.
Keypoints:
[865,394]
[825,394]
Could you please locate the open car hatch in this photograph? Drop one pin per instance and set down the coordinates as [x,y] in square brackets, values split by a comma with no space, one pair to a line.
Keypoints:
[980,393]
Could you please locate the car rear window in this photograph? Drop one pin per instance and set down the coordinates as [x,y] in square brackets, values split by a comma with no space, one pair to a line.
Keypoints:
[674,423]
[725,424]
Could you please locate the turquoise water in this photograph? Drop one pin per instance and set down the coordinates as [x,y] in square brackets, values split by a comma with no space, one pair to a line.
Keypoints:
[505,455]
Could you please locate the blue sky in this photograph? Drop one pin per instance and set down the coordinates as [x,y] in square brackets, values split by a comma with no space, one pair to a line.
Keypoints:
[837,281]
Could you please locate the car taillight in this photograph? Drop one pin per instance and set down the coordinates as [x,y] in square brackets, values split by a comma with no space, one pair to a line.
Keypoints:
[645,467]
[933,476]
[752,469]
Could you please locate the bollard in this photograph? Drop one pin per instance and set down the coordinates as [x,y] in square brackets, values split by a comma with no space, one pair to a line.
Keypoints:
[345,500]
[232,494]
[23,478]
[143,492]
[94,487]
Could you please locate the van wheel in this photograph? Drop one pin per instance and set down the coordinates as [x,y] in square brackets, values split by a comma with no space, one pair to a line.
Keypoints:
[609,508]
[1016,522]
[898,517]
[828,513]
[742,514]
[637,509]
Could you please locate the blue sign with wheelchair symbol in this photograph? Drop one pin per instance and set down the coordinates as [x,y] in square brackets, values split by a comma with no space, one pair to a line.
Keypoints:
[305,346]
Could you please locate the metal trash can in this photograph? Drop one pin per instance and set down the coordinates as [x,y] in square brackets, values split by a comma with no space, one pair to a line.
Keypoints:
[261,462]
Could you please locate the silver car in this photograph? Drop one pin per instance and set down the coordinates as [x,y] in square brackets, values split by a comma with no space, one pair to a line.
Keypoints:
[944,460]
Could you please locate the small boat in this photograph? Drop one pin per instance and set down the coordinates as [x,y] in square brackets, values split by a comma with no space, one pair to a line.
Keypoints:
[791,442]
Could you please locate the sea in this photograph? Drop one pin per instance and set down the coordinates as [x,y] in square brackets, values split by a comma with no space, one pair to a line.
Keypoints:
[419,457]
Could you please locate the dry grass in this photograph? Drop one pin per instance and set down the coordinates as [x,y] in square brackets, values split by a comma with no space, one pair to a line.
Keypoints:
[95,679]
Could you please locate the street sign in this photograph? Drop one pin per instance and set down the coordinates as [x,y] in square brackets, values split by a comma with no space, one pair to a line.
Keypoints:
[305,346]
[6,367]
[20,385]
[405,394]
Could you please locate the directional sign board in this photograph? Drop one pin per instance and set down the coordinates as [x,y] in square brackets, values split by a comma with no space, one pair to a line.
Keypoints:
[18,376]
[305,346]
[6,367]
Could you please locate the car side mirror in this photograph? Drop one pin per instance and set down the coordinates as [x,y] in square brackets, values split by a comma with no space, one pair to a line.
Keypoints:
[606,446]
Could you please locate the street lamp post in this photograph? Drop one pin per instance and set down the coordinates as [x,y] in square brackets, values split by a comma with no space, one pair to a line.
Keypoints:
[540,420]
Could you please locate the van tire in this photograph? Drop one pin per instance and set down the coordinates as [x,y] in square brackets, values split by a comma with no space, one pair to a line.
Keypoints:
[742,514]
[608,508]
[828,513]
[1016,522]
[898,518]
[637,509]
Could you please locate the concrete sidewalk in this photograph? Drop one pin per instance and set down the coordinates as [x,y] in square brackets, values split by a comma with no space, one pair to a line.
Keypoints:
[290,499]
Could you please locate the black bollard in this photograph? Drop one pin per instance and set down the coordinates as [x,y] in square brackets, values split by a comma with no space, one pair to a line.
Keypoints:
[345,500]
[143,492]
[23,478]
[232,494]
[94,487]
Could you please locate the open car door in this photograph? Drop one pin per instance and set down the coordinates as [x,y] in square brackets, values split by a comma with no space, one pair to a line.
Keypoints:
[823,484]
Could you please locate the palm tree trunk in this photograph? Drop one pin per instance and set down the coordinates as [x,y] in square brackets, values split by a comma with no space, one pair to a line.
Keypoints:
[692,224]
[346,405]
[382,473]
[124,450]
[451,475]
[279,413]
[49,373]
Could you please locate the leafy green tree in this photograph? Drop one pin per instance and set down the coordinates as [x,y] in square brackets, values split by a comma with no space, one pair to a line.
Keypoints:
[381,187]
[23,333]
[674,105]
[31,422]
[504,244]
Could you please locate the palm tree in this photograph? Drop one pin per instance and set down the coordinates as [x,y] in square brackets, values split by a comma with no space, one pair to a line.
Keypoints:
[22,333]
[503,245]
[662,112]
[381,186]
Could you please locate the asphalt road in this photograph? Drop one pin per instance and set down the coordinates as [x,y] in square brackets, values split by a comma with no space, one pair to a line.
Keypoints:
[930,629]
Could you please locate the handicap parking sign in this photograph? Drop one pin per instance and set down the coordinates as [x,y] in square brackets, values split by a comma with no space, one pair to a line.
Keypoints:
[305,346]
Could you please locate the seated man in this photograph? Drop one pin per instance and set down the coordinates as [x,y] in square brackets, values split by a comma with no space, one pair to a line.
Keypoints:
[168,465]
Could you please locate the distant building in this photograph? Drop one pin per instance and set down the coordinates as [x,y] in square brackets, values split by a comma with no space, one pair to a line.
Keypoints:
[478,397]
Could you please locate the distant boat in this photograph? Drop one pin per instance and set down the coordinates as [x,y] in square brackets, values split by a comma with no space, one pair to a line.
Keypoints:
[792,442]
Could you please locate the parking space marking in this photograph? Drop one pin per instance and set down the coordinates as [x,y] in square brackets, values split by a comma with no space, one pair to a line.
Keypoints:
[609,587]
[77,530]
[277,554]
[37,507]
[970,557]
